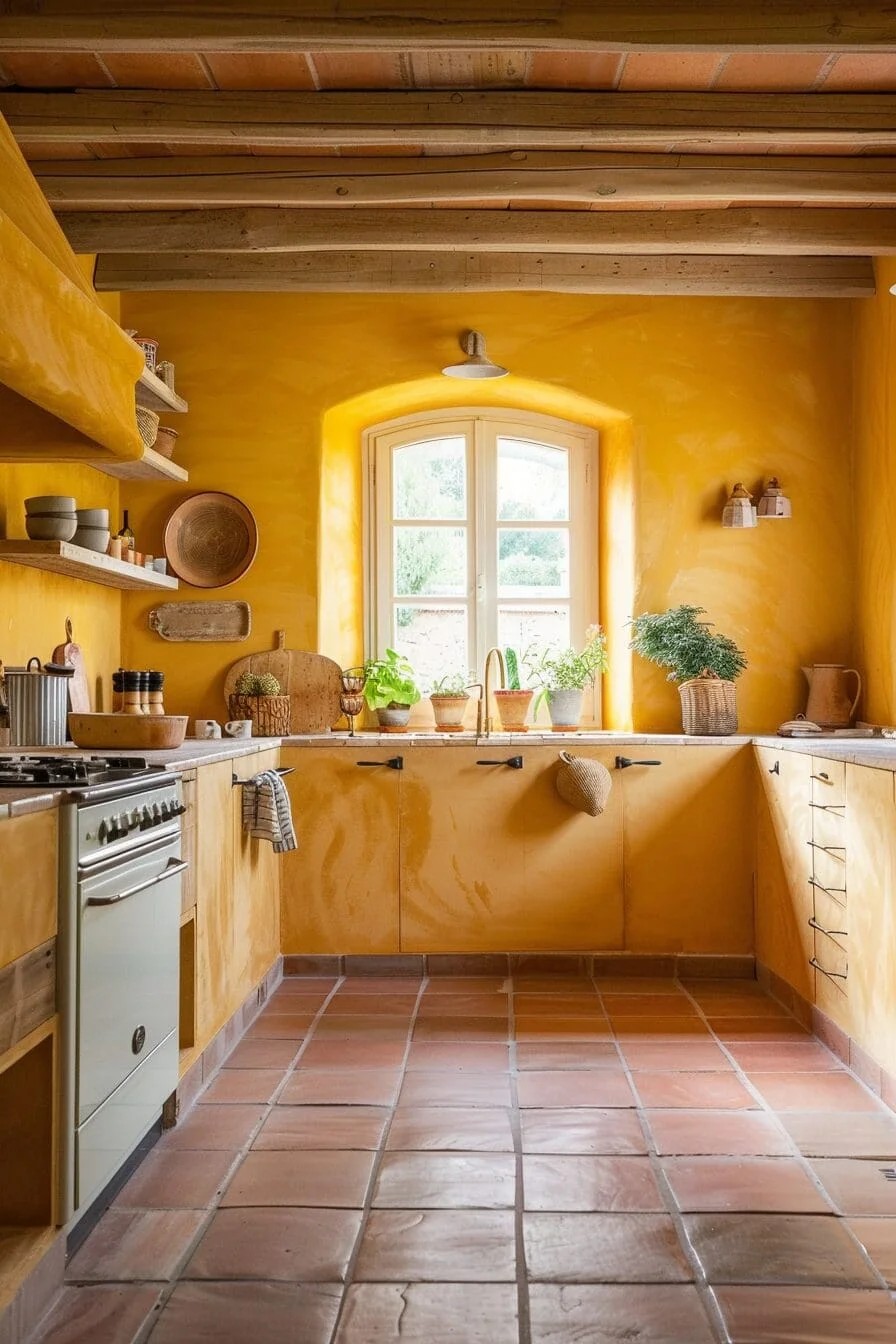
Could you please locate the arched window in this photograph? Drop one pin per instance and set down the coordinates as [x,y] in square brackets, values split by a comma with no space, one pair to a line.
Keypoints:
[480,530]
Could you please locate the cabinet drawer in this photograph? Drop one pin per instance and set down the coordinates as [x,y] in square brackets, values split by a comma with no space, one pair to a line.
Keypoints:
[829,825]
[828,781]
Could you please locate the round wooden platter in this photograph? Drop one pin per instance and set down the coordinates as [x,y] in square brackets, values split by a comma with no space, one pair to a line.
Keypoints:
[312,682]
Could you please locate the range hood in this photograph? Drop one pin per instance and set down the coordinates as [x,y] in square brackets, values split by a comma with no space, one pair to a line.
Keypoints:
[67,370]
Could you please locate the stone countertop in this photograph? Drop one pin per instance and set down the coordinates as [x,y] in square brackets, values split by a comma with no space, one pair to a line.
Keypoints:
[433,739]
[877,752]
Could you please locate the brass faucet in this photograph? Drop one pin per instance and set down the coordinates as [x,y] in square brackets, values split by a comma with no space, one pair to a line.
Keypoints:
[484,719]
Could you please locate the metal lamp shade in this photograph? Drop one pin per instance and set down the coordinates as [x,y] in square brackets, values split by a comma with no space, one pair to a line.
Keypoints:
[739,511]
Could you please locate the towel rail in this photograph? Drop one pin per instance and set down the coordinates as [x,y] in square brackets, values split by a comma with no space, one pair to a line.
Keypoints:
[238,783]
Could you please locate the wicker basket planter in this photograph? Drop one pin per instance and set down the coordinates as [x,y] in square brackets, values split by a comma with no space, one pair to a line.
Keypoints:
[269,713]
[708,707]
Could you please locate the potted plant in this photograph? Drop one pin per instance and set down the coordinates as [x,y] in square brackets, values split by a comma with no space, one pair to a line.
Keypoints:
[257,697]
[563,674]
[706,666]
[513,701]
[391,689]
[448,698]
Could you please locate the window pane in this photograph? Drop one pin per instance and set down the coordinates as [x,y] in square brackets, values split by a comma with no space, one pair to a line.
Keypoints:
[533,481]
[433,638]
[533,562]
[431,560]
[522,628]
[429,479]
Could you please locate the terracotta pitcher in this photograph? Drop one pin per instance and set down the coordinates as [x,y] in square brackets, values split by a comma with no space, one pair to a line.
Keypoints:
[830,704]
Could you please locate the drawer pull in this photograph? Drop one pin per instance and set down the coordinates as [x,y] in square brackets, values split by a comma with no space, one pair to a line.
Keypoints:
[281,770]
[776,768]
[835,851]
[623,762]
[828,933]
[393,763]
[832,975]
[837,808]
[515,762]
[823,779]
[829,891]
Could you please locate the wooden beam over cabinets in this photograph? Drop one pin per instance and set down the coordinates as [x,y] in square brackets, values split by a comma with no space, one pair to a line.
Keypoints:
[403,25]
[426,272]
[533,179]
[781,232]
[459,121]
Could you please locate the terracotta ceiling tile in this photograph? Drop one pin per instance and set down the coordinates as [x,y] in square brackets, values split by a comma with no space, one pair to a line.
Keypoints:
[157,70]
[271,70]
[574,70]
[868,73]
[468,69]
[664,71]
[55,70]
[770,72]
[362,70]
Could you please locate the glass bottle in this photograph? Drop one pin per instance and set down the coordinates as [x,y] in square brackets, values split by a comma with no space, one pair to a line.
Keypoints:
[127,535]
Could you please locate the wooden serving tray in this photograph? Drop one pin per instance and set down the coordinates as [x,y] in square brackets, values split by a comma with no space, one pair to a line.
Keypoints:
[202,622]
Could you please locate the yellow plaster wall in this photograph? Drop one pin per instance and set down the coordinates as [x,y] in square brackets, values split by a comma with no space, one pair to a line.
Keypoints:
[705,392]
[875,496]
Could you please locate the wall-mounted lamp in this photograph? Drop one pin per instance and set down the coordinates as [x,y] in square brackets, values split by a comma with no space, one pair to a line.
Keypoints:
[739,511]
[774,503]
[477,365]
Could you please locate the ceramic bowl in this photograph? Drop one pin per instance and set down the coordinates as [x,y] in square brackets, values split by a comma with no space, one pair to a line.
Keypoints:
[51,504]
[51,529]
[93,518]
[92,538]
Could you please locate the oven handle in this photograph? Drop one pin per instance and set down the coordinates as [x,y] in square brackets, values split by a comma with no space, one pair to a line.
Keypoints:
[174,869]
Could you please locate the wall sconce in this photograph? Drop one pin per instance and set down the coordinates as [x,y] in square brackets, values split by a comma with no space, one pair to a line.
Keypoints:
[739,510]
[774,503]
[477,365]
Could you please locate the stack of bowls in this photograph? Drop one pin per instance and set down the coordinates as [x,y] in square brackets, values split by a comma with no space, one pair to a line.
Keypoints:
[51,518]
[93,530]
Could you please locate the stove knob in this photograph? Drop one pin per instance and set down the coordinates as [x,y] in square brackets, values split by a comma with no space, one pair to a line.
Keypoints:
[102,832]
[112,830]
[166,810]
[124,824]
[156,814]
[145,819]
[178,811]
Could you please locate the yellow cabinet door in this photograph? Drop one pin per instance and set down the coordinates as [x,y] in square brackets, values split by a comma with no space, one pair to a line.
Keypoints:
[214,898]
[29,887]
[785,941]
[256,882]
[493,860]
[871,858]
[688,850]
[339,889]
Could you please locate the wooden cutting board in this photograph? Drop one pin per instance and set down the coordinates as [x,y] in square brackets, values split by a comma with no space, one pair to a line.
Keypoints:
[78,692]
[202,622]
[311,681]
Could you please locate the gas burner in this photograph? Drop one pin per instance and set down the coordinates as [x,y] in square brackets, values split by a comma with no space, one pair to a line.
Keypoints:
[31,772]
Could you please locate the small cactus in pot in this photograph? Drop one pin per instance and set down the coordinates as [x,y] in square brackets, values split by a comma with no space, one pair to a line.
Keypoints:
[257,697]
[449,698]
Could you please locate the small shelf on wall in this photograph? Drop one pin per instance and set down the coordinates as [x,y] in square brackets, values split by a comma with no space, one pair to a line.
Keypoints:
[152,466]
[158,396]
[62,557]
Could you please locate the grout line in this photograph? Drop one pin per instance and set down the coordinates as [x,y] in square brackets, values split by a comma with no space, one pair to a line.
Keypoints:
[524,1324]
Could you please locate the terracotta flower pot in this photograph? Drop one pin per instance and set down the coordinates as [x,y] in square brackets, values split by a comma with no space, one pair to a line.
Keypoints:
[513,706]
[449,712]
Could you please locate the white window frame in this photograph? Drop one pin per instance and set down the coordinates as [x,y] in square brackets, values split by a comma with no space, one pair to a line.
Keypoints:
[481,426]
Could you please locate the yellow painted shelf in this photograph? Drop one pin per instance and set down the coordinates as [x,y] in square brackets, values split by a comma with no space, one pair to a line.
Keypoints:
[158,396]
[62,557]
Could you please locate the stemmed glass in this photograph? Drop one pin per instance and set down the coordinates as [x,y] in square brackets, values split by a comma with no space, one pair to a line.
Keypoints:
[351,700]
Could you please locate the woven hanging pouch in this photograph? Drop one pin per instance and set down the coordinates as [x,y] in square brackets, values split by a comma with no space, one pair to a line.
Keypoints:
[583,784]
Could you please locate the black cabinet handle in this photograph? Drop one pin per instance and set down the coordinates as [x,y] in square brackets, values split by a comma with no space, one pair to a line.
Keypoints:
[515,762]
[832,975]
[623,762]
[776,768]
[393,763]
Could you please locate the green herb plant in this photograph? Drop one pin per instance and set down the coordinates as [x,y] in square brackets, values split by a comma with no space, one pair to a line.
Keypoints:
[676,639]
[555,669]
[390,681]
[453,684]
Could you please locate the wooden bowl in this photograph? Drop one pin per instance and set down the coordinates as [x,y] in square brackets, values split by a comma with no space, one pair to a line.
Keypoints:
[148,732]
[211,540]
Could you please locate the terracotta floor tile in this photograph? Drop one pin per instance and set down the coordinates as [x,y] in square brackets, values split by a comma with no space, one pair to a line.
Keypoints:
[781,1057]
[466,984]
[380,984]
[568,1055]
[560,1184]
[135,1244]
[225,1127]
[280,1026]
[561,1005]
[476,1056]
[668,1029]
[604,1248]
[800,1315]
[234,1313]
[428,1313]
[292,1005]
[446,1181]
[440,1245]
[111,1314]
[353,1055]
[342,1087]
[368,1005]
[637,984]
[296,1245]
[747,1184]
[306,984]
[176,1180]
[482,1129]
[606,1314]
[457,1088]
[649,1005]
[315,1178]
[717,1133]
[464,1005]
[379,1027]
[740,1005]
[612,1132]
[858,1187]
[262,1055]
[552,984]
[689,1055]
[320,1127]
[878,1236]
[694,1091]
[697,986]
[540,1028]
[242,1085]
[814,1092]
[842,1133]
[569,1087]
[777,1248]
[461,1029]
[758,1029]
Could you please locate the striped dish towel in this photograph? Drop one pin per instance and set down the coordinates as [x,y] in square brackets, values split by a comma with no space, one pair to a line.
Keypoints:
[266,811]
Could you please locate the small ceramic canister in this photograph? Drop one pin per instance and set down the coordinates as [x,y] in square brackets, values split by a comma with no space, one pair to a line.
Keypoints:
[208,728]
[238,728]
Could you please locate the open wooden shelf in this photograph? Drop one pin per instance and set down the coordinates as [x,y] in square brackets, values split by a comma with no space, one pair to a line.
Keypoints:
[157,396]
[62,557]
[152,466]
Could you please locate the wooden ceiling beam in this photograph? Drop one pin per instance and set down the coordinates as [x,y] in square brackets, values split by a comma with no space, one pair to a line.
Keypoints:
[783,232]
[403,25]
[427,272]
[571,179]
[457,120]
